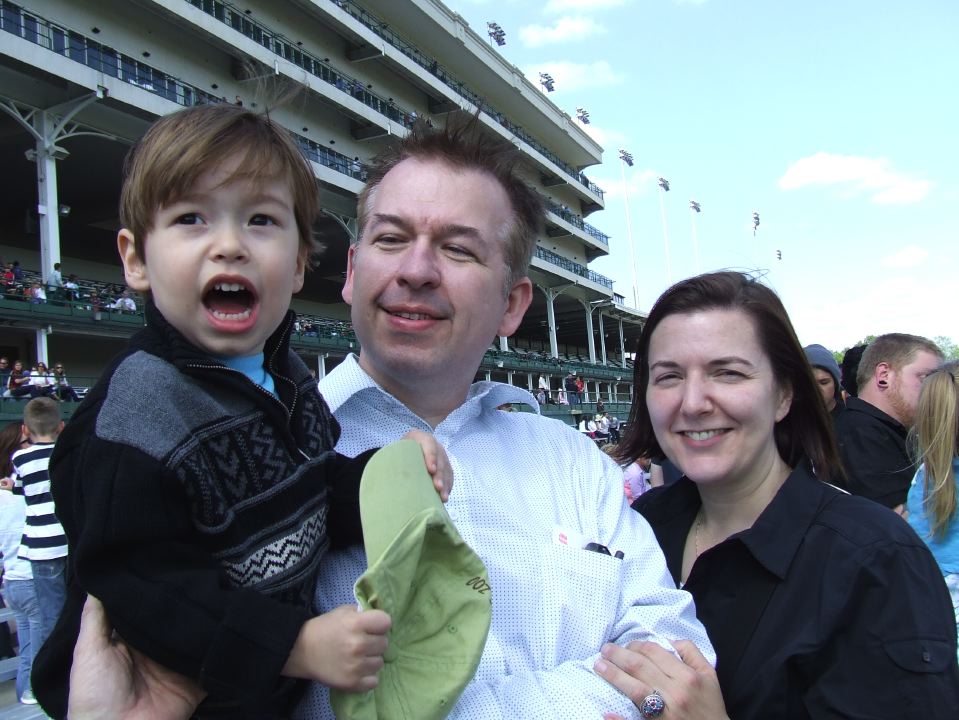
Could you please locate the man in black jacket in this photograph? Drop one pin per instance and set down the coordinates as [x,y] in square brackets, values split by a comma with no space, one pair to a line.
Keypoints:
[872,430]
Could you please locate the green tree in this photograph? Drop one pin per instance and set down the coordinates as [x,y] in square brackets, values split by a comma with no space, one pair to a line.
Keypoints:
[948,347]
[840,354]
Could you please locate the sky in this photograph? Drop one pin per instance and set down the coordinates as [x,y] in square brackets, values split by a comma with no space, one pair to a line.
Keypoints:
[836,120]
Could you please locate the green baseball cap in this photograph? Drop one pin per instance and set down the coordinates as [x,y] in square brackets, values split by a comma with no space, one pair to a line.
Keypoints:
[430,582]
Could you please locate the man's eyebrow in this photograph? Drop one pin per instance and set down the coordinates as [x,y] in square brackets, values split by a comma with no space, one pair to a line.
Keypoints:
[444,231]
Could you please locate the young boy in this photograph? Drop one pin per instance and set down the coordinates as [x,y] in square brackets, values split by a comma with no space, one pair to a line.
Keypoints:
[44,543]
[194,481]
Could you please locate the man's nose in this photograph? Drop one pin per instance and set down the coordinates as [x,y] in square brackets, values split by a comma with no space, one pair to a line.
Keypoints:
[419,265]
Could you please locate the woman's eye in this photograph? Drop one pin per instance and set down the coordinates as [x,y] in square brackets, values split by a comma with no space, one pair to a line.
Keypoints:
[729,374]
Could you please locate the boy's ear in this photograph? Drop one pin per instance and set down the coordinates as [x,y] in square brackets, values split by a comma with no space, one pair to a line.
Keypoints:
[302,258]
[134,267]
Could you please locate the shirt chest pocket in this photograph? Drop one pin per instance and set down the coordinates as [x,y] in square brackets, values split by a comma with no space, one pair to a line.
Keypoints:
[581,596]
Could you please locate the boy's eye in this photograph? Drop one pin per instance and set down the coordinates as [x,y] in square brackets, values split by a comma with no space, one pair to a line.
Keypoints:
[189,219]
[261,219]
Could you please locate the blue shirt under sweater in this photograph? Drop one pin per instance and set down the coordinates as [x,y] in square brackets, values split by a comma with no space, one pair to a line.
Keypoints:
[252,367]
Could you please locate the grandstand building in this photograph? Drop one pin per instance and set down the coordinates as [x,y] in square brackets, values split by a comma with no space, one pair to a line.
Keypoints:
[81,79]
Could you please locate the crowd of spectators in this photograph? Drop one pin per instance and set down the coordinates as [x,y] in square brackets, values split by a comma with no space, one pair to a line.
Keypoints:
[39,381]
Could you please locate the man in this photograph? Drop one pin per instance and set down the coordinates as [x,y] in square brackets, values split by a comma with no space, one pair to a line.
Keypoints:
[825,370]
[4,375]
[446,232]
[124,303]
[572,391]
[872,430]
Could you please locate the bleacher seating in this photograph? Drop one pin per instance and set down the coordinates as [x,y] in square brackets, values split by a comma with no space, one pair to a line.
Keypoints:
[314,334]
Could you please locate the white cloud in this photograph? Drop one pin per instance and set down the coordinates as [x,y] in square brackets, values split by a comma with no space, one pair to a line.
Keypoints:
[858,174]
[573,76]
[903,192]
[605,137]
[565,29]
[638,182]
[910,256]
[558,6]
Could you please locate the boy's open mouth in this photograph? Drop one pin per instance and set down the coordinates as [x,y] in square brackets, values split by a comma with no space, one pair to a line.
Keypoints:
[230,301]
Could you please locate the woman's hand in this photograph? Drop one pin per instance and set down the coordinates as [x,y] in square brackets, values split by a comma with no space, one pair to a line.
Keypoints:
[689,686]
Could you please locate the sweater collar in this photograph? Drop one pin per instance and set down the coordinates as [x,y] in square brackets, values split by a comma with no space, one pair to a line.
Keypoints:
[162,339]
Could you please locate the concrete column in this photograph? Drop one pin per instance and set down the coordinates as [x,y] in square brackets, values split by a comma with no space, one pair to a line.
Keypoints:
[622,343]
[602,338]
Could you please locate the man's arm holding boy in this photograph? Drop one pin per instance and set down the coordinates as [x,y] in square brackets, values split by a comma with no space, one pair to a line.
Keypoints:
[650,608]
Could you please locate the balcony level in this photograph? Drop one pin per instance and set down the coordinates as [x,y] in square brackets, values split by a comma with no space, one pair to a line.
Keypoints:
[367,31]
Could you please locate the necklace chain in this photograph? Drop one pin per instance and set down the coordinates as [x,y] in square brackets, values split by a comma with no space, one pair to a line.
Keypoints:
[700,519]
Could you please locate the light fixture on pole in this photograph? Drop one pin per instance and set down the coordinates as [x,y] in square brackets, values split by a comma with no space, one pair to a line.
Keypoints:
[626,159]
[695,209]
[546,80]
[582,115]
[664,187]
[496,33]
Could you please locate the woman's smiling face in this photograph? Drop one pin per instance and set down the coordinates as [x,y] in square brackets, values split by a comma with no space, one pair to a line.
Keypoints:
[712,397]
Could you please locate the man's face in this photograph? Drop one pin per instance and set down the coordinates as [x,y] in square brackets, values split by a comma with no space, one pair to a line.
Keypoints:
[427,280]
[827,387]
[905,384]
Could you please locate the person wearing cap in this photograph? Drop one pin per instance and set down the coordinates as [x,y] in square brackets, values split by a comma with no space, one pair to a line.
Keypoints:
[825,370]
[430,280]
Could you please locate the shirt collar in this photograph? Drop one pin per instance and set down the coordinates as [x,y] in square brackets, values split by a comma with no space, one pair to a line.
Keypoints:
[862,406]
[774,538]
[350,381]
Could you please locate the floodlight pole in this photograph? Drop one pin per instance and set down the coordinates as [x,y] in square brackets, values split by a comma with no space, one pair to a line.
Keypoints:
[694,209]
[662,214]
[629,230]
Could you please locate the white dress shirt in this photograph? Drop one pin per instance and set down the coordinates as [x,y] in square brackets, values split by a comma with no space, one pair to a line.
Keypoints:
[522,486]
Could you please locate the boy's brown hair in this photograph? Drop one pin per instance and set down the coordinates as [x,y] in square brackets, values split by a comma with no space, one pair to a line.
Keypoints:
[178,148]
[41,416]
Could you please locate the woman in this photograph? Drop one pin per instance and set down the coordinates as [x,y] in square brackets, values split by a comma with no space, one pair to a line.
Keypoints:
[19,382]
[43,380]
[819,604]
[932,497]
[64,390]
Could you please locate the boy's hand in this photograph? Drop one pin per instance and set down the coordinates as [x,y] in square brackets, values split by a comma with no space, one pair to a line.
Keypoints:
[6,483]
[342,649]
[437,462]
